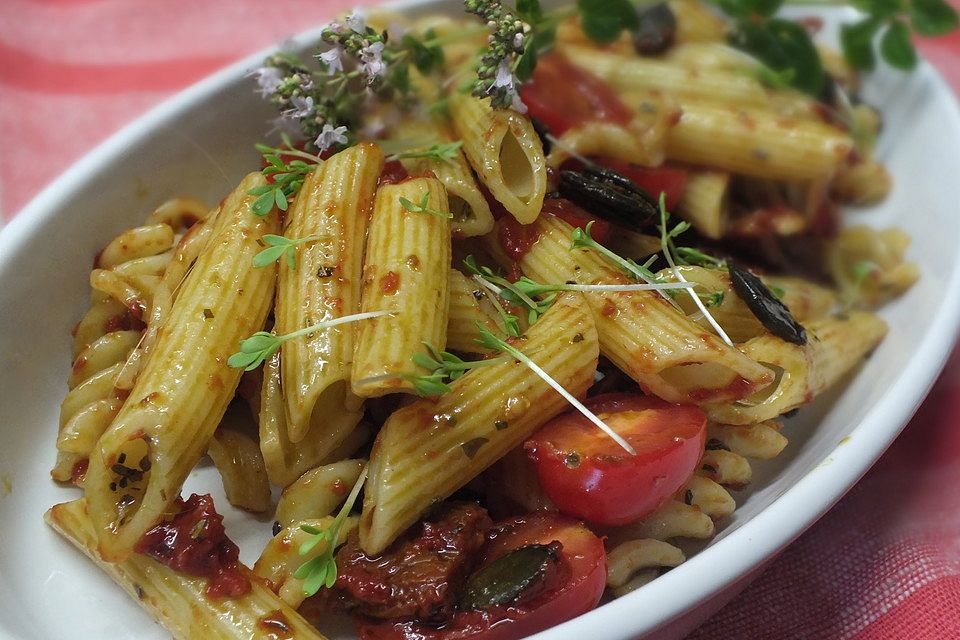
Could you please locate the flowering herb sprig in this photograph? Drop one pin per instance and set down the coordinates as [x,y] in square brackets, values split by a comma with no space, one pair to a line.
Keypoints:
[423,206]
[494,343]
[263,344]
[322,571]
[280,246]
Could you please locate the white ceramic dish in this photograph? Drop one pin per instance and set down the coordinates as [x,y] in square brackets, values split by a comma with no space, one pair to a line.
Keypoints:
[200,143]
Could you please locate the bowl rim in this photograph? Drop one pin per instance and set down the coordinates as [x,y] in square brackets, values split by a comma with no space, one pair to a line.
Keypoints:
[727,560]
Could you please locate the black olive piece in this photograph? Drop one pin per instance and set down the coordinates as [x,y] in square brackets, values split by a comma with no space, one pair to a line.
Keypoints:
[542,133]
[609,195]
[771,313]
[505,579]
[656,31]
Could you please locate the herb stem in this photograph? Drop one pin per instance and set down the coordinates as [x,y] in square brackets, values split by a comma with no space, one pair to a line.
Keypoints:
[533,366]
[326,324]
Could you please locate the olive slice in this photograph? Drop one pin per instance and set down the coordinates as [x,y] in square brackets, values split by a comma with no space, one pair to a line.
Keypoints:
[609,195]
[542,133]
[505,579]
[771,313]
[656,30]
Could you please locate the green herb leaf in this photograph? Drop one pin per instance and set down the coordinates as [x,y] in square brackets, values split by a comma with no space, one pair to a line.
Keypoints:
[604,20]
[264,204]
[856,40]
[896,47]
[783,45]
[268,256]
[321,571]
[529,11]
[933,17]
[422,207]
[751,9]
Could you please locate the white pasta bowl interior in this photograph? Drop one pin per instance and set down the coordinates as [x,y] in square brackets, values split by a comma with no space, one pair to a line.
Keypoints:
[200,143]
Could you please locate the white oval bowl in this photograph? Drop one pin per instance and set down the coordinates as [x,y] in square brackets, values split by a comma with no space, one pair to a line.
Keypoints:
[200,143]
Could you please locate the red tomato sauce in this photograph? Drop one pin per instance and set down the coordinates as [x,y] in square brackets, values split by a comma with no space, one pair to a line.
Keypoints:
[195,543]
[563,96]
[393,173]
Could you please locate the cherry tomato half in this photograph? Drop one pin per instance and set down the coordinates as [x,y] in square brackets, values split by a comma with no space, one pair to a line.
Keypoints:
[563,96]
[587,475]
[585,573]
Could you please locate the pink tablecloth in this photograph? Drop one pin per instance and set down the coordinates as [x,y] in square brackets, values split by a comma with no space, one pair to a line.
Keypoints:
[885,563]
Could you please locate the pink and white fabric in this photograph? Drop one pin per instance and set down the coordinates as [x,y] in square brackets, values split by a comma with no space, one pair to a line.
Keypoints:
[883,564]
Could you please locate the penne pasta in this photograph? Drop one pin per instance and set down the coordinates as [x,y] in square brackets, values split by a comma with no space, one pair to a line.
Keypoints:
[334,204]
[177,601]
[471,213]
[408,254]
[642,333]
[834,346]
[336,435]
[318,492]
[465,311]
[429,449]
[706,202]
[506,153]
[140,462]
[238,459]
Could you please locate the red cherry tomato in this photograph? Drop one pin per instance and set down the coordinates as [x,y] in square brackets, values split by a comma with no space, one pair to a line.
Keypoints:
[563,96]
[584,574]
[588,475]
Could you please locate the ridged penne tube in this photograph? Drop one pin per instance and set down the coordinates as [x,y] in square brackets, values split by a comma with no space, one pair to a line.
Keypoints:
[338,435]
[141,461]
[429,449]
[505,151]
[706,202]
[471,213]
[757,143]
[238,459]
[177,601]
[762,441]
[715,54]
[834,346]
[405,272]
[806,301]
[334,203]
[640,332]
[630,73]
[464,312]
[318,492]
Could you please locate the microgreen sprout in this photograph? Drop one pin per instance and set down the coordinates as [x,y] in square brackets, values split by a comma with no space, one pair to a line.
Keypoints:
[263,344]
[525,292]
[322,571]
[285,176]
[443,367]
[280,246]
[669,249]
[440,151]
[423,206]
[491,341]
